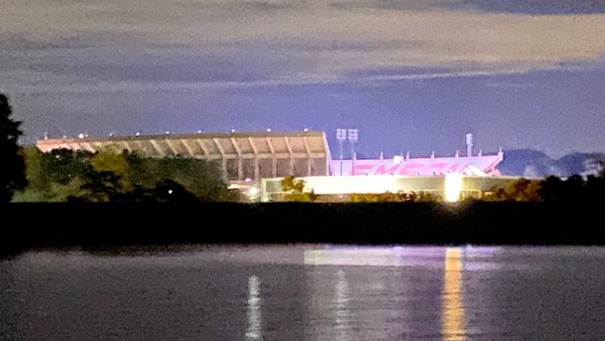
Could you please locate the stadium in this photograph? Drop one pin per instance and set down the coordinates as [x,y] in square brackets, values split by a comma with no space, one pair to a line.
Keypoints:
[257,162]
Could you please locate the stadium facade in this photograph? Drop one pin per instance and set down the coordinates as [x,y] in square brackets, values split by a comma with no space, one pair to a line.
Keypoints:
[256,162]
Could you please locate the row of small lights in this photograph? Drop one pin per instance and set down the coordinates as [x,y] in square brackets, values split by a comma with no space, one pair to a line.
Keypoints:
[199,131]
[138,133]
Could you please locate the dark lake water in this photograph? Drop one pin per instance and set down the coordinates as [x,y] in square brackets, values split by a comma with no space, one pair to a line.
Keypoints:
[305,292]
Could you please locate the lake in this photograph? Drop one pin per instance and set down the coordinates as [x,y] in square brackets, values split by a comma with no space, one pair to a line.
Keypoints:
[304,292]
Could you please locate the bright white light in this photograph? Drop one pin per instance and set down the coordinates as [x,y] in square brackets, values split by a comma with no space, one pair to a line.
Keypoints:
[351,184]
[169,191]
[353,135]
[341,135]
[253,191]
[453,186]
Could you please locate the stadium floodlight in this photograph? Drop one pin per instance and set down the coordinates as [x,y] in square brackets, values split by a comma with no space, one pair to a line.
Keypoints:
[470,141]
[353,137]
[341,137]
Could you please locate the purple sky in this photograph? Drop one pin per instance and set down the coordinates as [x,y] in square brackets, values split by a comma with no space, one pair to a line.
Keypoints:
[411,75]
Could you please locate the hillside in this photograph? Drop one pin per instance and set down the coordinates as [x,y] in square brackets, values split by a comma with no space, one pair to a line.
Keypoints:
[534,163]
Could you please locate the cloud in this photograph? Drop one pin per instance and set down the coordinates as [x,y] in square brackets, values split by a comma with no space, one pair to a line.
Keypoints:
[526,7]
[284,41]
[402,5]
[538,7]
[24,42]
[510,85]
[169,84]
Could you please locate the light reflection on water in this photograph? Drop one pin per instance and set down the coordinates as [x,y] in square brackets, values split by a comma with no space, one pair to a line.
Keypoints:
[305,293]
[341,306]
[453,308]
[254,331]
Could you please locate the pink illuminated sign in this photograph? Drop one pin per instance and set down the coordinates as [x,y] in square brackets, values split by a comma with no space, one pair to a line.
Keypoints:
[406,168]
[418,166]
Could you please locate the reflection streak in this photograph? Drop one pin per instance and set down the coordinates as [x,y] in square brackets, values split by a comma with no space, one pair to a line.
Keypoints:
[343,314]
[453,327]
[254,310]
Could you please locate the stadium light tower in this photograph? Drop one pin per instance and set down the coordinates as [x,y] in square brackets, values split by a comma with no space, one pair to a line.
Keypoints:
[470,141]
[341,137]
[353,137]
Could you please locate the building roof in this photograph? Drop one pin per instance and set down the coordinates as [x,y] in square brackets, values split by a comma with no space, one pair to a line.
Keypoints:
[233,145]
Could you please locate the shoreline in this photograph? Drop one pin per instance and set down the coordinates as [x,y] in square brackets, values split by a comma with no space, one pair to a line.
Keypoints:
[33,225]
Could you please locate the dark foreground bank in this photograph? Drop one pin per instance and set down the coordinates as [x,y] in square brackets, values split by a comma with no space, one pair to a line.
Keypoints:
[119,224]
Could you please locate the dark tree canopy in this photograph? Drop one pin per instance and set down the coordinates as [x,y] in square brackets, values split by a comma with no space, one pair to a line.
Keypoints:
[12,165]
[64,175]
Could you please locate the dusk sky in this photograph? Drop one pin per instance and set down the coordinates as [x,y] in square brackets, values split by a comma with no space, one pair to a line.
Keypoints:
[411,75]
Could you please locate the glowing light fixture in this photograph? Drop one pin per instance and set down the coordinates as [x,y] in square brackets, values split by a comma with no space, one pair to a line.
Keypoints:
[453,186]
[253,191]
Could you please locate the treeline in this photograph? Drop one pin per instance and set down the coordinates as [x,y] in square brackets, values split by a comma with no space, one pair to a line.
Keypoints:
[64,175]
[552,188]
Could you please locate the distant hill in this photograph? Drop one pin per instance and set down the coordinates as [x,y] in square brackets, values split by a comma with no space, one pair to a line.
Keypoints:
[534,163]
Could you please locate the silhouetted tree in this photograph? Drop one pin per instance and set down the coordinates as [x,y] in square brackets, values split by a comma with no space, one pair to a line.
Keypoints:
[552,189]
[295,190]
[53,176]
[101,186]
[65,165]
[519,190]
[394,197]
[574,188]
[12,165]
[171,191]
[595,188]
